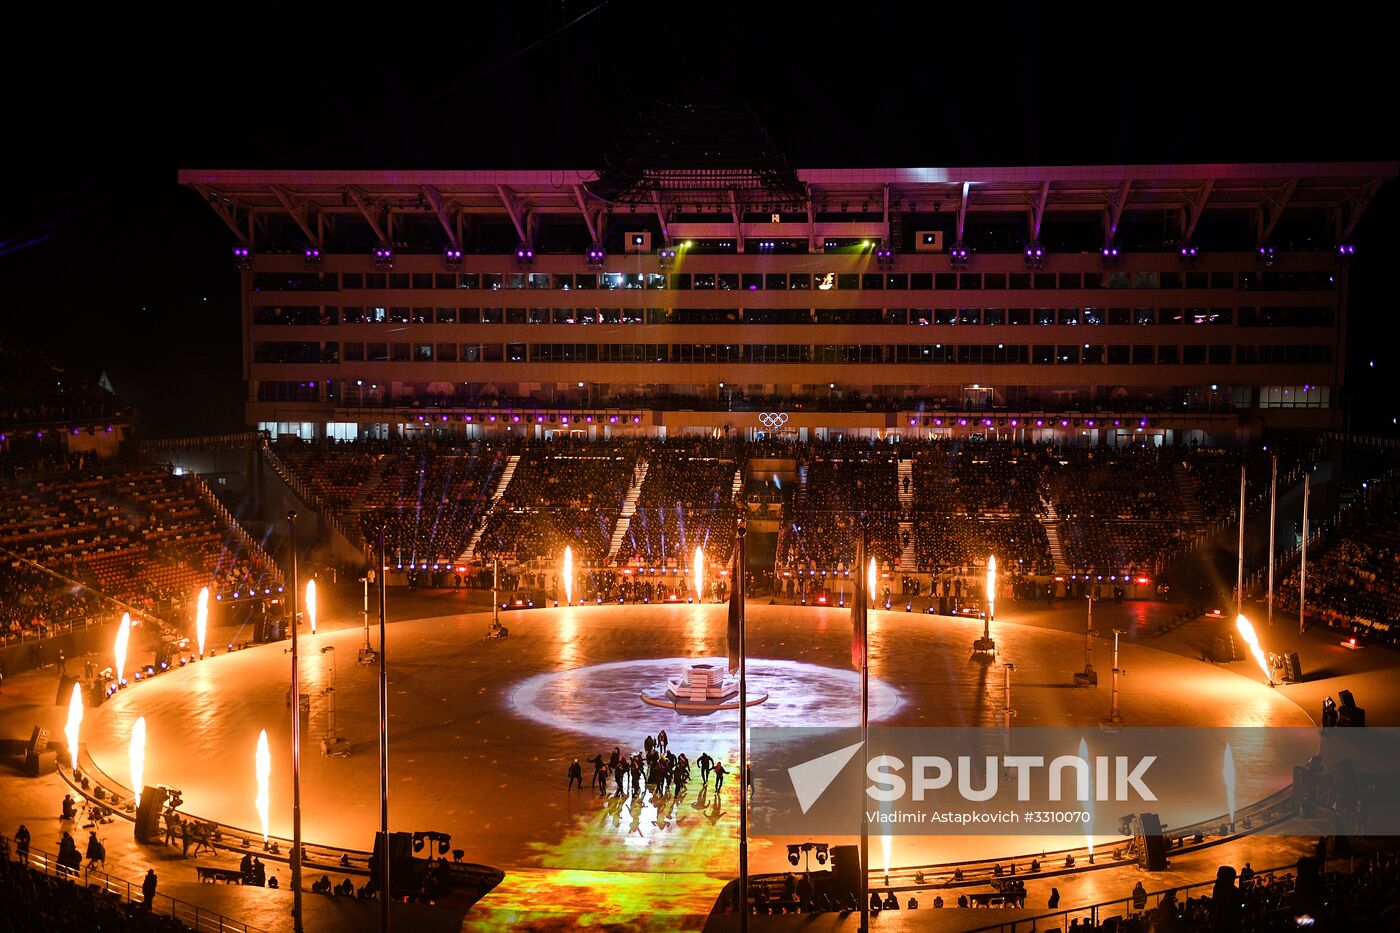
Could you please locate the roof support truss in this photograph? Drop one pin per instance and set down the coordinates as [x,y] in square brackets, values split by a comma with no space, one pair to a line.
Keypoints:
[1272,207]
[1038,208]
[434,199]
[298,210]
[962,208]
[1348,215]
[1116,203]
[1195,207]
[662,217]
[516,209]
[738,222]
[588,216]
[239,221]
[370,210]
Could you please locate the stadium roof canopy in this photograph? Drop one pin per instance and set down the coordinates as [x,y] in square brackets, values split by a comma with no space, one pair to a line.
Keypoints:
[247,199]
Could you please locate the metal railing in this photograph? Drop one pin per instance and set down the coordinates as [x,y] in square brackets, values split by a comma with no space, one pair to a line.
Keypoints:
[191,915]
[1095,914]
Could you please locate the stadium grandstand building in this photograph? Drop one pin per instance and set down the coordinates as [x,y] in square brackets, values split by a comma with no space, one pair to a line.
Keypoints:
[1087,304]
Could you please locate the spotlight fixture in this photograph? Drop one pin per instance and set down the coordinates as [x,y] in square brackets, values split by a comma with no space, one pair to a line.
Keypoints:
[596,255]
[959,254]
[1265,254]
[1188,251]
[242,257]
[667,255]
[524,255]
[383,257]
[885,257]
[1109,254]
[1345,251]
[452,256]
[1035,254]
[312,255]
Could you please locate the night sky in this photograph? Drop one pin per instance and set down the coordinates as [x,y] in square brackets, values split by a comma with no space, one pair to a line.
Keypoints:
[108,264]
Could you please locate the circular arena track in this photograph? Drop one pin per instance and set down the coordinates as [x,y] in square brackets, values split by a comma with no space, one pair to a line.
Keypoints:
[482,731]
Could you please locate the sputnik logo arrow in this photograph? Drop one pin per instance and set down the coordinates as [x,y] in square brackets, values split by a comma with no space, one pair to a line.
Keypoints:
[811,778]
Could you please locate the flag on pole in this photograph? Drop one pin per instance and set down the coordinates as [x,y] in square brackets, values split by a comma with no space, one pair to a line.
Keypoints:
[859,608]
[736,605]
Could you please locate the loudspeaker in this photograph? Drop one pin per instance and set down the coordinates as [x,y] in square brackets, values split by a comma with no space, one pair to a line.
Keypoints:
[1151,845]
[65,690]
[1351,715]
[42,764]
[1292,669]
[148,815]
[1345,698]
[845,872]
[38,742]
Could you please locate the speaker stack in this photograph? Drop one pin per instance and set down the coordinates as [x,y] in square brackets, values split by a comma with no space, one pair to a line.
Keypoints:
[1150,844]
[148,815]
[845,873]
[1348,713]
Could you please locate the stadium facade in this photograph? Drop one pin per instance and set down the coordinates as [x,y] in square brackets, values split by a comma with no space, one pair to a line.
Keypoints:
[1100,305]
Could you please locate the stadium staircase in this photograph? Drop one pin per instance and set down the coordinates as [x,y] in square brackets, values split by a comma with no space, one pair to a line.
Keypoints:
[250,545]
[496,494]
[1186,486]
[629,508]
[349,533]
[738,489]
[801,497]
[1051,520]
[907,560]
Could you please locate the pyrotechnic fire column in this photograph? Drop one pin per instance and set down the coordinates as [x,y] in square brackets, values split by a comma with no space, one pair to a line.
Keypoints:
[296,737]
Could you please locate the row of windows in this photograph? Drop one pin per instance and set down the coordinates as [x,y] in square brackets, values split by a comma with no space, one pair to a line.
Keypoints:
[822,281]
[1315,316]
[1039,354]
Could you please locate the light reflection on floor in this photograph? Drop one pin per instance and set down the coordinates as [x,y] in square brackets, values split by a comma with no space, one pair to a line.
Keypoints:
[799,694]
[476,757]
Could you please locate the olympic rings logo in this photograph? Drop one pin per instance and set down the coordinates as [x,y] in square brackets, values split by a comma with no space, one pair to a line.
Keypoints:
[772,420]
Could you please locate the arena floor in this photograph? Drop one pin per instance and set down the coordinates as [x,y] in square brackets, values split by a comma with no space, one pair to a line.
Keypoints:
[482,731]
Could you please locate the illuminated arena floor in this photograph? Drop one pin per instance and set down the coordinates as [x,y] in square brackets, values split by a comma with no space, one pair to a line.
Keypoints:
[482,732]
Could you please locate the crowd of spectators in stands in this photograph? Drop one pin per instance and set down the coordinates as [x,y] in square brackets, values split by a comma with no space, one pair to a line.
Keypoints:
[1359,896]
[686,501]
[849,490]
[430,503]
[83,528]
[1119,509]
[563,494]
[34,390]
[971,500]
[1354,582]
[33,900]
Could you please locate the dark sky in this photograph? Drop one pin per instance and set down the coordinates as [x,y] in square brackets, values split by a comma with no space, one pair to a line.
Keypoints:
[108,263]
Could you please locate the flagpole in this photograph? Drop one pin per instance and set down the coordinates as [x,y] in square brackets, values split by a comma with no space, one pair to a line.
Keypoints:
[1239,574]
[1273,517]
[743,782]
[863,598]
